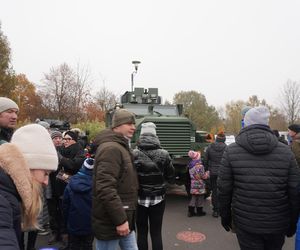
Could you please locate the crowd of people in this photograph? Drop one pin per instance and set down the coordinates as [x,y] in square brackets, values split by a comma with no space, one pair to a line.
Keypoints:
[114,196]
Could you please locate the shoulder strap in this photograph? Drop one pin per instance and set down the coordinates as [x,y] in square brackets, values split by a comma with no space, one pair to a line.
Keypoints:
[150,159]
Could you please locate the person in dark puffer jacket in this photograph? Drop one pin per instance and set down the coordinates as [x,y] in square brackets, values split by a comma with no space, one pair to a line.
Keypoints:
[212,160]
[258,185]
[154,168]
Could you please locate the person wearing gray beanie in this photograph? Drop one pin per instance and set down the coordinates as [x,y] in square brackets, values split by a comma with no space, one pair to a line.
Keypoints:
[6,104]
[46,125]
[56,137]
[154,168]
[24,167]
[148,128]
[258,181]
[8,118]
[258,115]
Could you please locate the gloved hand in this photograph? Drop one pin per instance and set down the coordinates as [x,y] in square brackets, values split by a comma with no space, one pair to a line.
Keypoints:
[291,231]
[226,223]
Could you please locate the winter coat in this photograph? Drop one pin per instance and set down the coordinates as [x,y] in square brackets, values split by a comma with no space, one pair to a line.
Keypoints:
[213,157]
[114,186]
[15,193]
[259,180]
[77,203]
[197,176]
[296,147]
[154,166]
[5,135]
[70,159]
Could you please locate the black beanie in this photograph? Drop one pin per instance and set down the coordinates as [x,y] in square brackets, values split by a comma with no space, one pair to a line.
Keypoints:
[72,134]
[295,128]
[220,137]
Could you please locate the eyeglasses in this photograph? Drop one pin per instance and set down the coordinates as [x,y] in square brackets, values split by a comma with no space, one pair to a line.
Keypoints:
[67,139]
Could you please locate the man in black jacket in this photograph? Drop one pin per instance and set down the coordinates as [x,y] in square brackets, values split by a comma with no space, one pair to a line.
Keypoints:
[212,160]
[258,185]
[8,118]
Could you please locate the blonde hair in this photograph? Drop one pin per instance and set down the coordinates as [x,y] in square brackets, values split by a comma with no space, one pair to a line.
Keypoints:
[29,217]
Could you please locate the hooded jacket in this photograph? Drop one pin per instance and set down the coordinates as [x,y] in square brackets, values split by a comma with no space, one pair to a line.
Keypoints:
[154,166]
[77,203]
[115,186]
[213,156]
[70,159]
[259,180]
[15,192]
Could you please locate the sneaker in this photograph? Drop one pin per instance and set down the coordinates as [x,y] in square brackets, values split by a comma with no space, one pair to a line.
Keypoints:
[43,232]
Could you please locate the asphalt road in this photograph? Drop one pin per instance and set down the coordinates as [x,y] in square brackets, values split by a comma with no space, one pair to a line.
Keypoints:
[177,228]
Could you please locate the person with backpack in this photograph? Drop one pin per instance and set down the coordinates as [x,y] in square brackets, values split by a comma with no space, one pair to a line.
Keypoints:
[154,168]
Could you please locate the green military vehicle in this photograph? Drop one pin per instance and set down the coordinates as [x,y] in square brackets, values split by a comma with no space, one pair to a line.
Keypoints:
[176,132]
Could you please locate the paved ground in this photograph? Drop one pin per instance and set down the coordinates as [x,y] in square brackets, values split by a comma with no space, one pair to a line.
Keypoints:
[177,224]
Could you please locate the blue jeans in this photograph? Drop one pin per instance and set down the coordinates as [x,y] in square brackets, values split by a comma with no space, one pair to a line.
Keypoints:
[126,243]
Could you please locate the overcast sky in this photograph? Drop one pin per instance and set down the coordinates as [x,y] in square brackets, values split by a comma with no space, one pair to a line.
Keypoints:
[226,50]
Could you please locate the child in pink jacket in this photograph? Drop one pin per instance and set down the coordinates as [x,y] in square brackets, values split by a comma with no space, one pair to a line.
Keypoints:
[197,191]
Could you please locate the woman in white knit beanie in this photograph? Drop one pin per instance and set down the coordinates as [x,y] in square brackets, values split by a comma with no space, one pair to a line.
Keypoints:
[25,164]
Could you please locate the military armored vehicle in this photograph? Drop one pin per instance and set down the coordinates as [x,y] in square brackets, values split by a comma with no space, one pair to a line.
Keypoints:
[176,132]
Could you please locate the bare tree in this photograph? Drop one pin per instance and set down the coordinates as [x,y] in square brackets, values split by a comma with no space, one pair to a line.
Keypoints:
[64,92]
[290,100]
[81,90]
[253,101]
[233,116]
[277,120]
[105,99]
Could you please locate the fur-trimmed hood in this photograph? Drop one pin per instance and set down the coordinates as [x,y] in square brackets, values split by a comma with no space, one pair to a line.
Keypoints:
[14,164]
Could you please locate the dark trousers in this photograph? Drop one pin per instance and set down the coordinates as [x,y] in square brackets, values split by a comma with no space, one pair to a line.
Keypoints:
[250,241]
[214,194]
[31,240]
[81,242]
[56,220]
[153,214]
